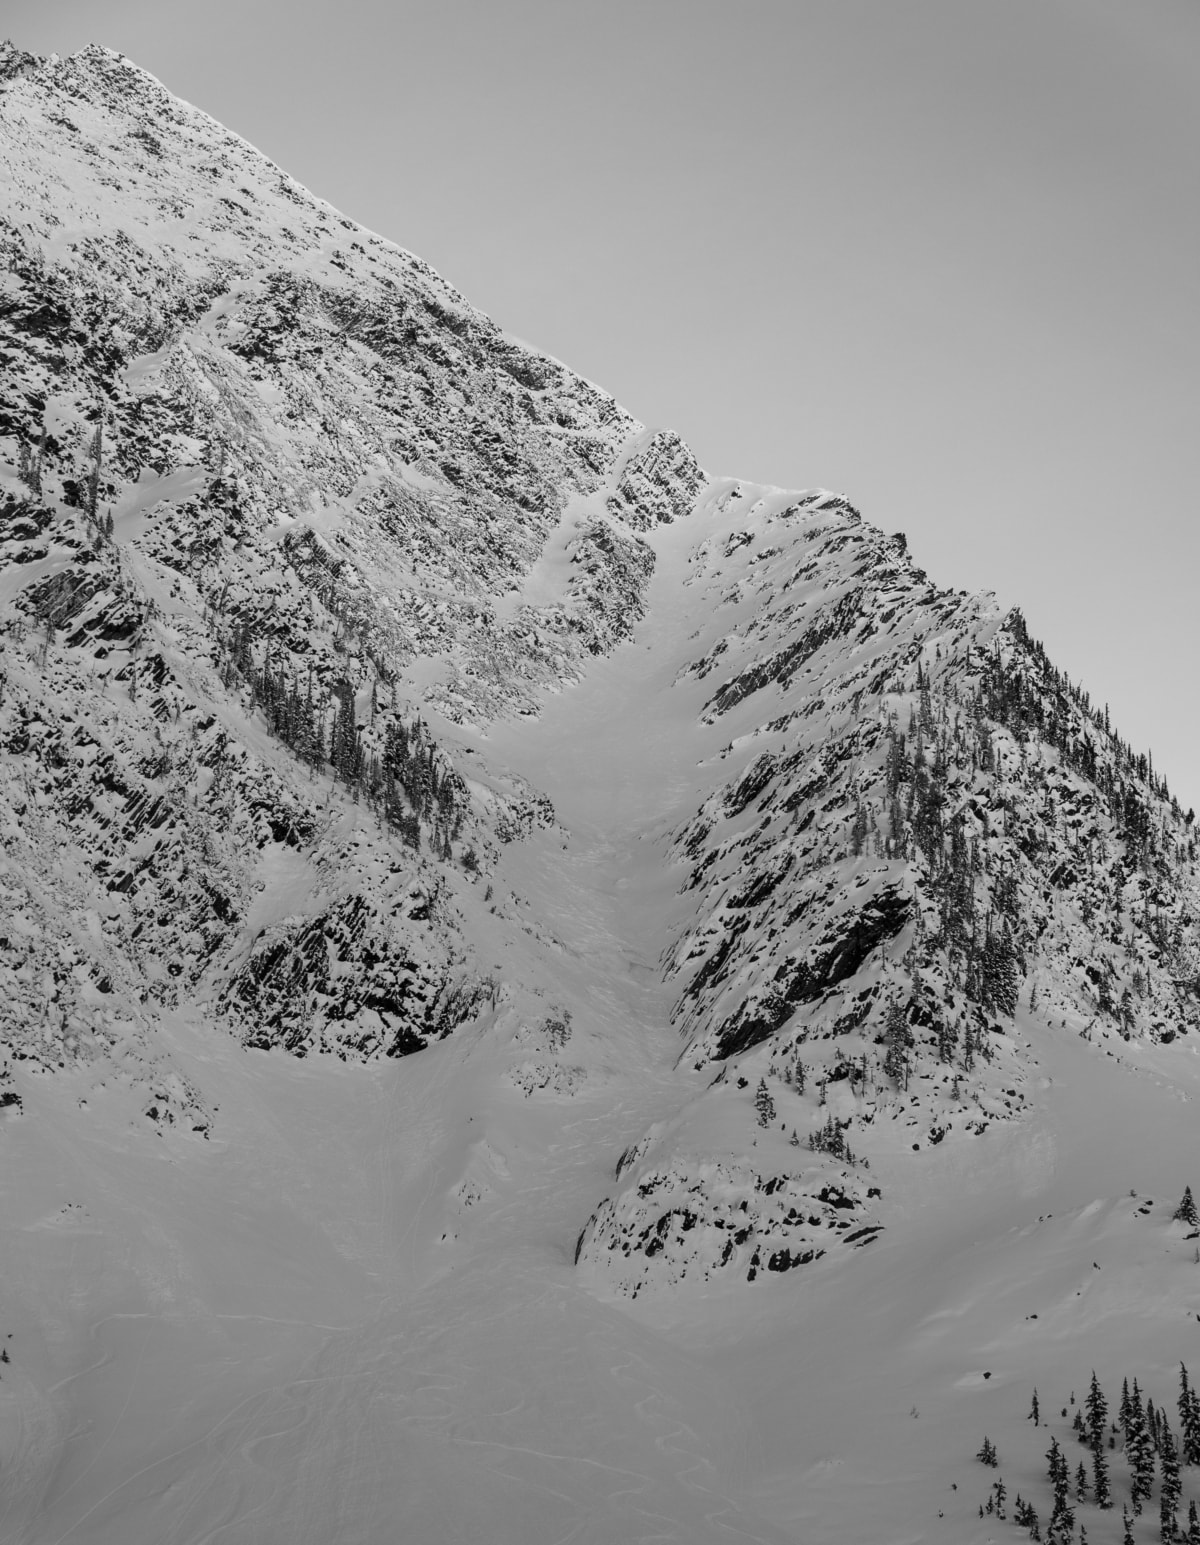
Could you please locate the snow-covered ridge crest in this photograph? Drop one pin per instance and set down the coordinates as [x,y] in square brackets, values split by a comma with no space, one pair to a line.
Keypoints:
[129,154]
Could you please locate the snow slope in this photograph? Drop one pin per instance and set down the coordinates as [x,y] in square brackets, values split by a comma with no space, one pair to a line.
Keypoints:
[381,1149]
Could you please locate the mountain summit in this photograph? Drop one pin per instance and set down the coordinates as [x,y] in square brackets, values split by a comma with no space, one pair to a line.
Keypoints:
[497,921]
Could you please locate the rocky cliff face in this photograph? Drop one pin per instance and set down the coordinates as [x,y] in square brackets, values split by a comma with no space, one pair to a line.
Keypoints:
[924,828]
[286,526]
[269,484]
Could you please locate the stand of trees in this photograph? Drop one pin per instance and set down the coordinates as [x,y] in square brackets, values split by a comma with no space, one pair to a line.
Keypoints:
[395,766]
[1155,1455]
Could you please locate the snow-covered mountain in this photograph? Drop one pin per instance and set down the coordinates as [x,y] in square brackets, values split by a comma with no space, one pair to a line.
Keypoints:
[371,685]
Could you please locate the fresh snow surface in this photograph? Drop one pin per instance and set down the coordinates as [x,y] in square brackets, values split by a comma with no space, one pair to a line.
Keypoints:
[353,1315]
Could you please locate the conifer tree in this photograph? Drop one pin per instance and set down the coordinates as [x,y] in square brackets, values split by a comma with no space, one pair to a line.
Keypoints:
[1186,1211]
[96,451]
[1171,1484]
[764,1105]
[1140,1451]
[1097,1412]
[1081,1483]
[1189,1420]
[1000,978]
[1062,1519]
[1193,1534]
[26,469]
[831,1139]
[1100,1482]
[1127,1528]
[987,1454]
[1034,1411]
[898,1038]
[344,750]
[858,829]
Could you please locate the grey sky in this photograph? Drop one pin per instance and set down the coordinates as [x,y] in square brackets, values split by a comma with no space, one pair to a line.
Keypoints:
[940,255]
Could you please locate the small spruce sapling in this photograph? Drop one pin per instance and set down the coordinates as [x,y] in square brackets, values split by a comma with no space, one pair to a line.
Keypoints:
[987,1454]
[1025,1517]
[764,1105]
[1186,1211]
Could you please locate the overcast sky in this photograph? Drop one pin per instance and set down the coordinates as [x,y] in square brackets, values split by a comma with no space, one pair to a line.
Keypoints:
[939,255]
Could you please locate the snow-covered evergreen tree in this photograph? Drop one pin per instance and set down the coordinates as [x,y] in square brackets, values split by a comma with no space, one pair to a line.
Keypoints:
[1139,1449]
[1101,1486]
[1062,1518]
[1189,1420]
[1171,1485]
[1096,1407]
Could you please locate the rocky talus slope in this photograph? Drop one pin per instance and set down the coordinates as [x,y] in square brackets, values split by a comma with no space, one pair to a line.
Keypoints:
[288,528]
